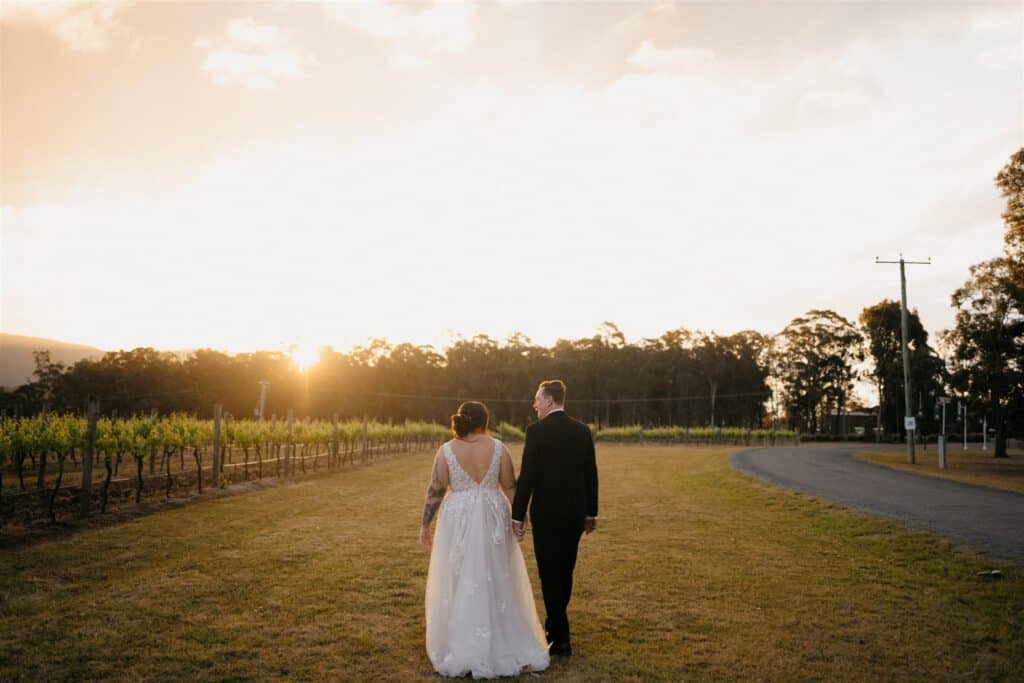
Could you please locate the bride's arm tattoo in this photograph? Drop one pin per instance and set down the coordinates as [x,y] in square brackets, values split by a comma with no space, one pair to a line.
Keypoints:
[429,510]
[435,492]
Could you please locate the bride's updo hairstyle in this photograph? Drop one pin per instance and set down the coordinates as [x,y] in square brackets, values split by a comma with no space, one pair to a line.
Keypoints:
[472,416]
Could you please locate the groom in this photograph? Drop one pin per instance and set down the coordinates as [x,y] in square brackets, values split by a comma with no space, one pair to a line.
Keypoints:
[560,474]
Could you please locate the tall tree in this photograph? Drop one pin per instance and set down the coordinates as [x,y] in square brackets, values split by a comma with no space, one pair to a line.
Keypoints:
[988,343]
[881,325]
[1010,181]
[820,352]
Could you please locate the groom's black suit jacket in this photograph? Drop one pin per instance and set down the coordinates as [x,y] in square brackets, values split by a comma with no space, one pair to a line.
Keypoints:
[558,471]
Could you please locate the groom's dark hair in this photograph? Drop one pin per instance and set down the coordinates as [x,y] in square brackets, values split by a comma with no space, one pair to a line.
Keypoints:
[555,388]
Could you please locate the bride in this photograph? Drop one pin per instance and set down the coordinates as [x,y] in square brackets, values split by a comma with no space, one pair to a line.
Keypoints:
[481,618]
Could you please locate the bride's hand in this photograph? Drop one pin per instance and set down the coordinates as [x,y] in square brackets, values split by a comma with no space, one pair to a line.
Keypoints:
[425,536]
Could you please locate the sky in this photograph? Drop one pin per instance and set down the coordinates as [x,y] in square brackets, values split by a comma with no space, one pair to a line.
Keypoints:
[255,175]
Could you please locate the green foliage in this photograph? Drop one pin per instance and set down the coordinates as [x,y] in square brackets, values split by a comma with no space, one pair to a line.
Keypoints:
[390,382]
[816,362]
[705,435]
[988,344]
[137,435]
[1010,181]
[882,326]
[507,432]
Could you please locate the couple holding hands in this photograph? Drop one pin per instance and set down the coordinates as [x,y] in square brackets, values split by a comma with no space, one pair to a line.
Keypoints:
[480,614]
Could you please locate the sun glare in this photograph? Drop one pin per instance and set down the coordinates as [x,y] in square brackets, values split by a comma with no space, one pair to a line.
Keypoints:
[305,357]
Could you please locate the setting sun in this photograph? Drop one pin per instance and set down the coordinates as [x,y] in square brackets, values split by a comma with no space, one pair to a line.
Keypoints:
[304,356]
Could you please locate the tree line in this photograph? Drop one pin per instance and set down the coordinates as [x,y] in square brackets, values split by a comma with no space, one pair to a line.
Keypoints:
[799,378]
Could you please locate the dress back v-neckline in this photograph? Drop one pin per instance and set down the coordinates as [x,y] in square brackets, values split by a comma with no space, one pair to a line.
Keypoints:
[467,475]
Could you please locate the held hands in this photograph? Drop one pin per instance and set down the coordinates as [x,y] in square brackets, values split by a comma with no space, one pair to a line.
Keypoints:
[425,536]
[519,528]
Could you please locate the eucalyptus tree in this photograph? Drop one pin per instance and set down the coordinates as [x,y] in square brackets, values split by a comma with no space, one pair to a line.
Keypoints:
[1010,181]
[820,351]
[880,324]
[987,344]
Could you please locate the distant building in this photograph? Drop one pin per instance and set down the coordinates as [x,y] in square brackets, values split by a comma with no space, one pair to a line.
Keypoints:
[859,422]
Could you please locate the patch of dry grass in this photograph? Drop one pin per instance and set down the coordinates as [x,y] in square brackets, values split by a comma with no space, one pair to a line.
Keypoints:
[972,466]
[695,572]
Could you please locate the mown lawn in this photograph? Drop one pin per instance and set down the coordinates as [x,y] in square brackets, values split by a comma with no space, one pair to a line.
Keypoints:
[695,572]
[973,466]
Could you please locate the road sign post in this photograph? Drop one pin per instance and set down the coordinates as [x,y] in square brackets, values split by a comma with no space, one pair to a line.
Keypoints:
[910,427]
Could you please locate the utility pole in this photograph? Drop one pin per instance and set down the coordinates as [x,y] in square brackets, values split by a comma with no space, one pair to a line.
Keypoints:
[942,401]
[909,423]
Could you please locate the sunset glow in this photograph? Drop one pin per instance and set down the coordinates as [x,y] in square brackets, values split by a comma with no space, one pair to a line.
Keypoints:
[305,357]
[248,175]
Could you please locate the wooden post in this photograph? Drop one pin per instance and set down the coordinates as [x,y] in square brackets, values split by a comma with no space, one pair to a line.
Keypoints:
[290,458]
[227,425]
[365,438]
[217,411]
[152,450]
[41,476]
[334,441]
[85,492]
[275,448]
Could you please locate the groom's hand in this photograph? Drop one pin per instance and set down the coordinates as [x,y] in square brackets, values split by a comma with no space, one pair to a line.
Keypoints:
[519,529]
[589,524]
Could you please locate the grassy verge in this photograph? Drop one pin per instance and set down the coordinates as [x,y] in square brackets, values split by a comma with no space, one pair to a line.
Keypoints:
[696,572]
[971,466]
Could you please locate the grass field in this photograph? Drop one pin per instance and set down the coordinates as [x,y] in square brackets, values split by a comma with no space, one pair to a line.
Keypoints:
[695,572]
[972,466]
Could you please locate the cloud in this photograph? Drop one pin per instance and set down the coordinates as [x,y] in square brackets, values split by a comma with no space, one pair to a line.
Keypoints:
[684,60]
[248,32]
[253,55]
[408,61]
[82,25]
[1007,19]
[833,87]
[955,214]
[415,31]
[441,27]
[1005,57]
[834,104]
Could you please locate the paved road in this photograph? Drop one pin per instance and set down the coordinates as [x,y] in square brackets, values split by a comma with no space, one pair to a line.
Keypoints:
[987,519]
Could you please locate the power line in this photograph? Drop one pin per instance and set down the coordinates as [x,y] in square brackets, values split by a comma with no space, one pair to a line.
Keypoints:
[645,399]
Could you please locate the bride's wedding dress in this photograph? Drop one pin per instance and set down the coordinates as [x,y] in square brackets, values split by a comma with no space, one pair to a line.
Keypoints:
[481,617]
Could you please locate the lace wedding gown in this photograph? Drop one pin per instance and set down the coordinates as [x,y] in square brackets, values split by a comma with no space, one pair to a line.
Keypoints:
[481,617]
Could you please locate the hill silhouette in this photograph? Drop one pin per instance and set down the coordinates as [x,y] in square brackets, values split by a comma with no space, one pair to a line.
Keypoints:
[17,364]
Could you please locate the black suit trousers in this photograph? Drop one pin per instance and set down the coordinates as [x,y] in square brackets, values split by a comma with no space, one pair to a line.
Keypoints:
[555,543]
